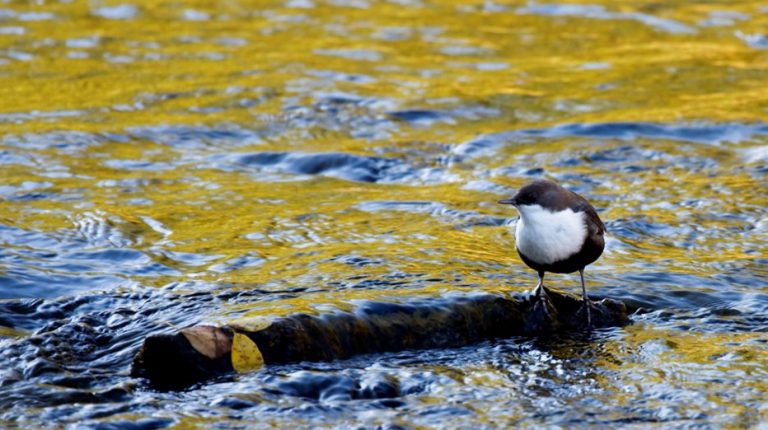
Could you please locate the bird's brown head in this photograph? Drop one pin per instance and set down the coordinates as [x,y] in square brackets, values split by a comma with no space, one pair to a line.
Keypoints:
[539,192]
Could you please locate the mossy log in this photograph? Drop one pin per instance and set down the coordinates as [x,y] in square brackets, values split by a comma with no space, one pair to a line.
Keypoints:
[198,353]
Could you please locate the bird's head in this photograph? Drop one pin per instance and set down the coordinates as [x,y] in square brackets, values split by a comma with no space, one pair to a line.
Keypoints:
[534,193]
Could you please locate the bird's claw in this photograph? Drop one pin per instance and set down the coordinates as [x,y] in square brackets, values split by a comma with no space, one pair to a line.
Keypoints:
[586,307]
[543,314]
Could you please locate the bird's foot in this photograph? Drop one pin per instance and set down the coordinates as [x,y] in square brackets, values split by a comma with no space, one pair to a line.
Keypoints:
[543,316]
[587,309]
[544,306]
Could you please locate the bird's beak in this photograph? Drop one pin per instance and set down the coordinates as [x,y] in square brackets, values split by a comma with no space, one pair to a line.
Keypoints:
[508,201]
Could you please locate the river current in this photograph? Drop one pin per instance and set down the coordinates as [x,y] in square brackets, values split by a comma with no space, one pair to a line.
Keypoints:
[166,164]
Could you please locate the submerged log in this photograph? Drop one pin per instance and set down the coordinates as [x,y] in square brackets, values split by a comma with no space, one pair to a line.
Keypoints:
[198,353]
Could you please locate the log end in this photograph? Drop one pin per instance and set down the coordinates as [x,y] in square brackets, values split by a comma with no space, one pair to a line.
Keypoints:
[170,362]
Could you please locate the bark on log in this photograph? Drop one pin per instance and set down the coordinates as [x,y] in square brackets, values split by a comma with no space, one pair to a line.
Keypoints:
[201,352]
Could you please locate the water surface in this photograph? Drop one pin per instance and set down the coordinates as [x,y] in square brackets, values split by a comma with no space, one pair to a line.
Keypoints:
[168,164]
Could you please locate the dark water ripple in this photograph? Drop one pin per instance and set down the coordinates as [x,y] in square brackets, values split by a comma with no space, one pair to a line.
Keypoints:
[336,165]
[43,265]
[81,347]
[66,142]
[196,137]
[339,112]
[461,219]
[701,133]
[599,12]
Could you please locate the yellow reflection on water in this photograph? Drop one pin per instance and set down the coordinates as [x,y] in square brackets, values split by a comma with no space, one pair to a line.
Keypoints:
[78,60]
[125,77]
[651,362]
[242,63]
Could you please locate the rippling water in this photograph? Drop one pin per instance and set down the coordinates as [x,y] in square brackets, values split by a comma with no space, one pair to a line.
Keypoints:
[166,164]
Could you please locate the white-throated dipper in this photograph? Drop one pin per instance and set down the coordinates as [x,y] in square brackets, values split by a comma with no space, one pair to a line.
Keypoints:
[558,231]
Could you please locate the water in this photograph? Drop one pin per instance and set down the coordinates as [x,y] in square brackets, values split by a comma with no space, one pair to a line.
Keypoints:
[167,164]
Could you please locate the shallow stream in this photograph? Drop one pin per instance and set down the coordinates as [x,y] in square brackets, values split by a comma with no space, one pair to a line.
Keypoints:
[164,164]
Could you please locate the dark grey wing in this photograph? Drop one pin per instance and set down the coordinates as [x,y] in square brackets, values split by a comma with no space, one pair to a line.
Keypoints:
[595,225]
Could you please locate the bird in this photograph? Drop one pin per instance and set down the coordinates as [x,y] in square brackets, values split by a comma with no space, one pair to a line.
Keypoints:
[558,231]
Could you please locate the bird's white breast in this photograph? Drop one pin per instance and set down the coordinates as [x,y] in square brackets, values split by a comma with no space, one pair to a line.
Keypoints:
[546,237]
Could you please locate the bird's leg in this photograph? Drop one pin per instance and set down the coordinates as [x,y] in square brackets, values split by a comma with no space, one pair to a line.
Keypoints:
[542,300]
[539,290]
[585,299]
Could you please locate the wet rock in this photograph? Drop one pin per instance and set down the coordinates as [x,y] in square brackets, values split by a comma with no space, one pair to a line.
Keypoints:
[378,386]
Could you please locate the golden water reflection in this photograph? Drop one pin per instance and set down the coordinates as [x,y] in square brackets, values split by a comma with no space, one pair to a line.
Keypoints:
[132,153]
